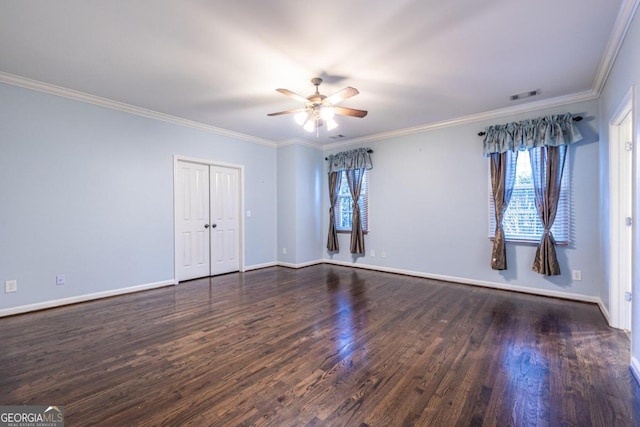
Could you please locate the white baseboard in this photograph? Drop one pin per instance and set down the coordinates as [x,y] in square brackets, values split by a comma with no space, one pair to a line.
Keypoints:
[82,298]
[259,266]
[462,280]
[635,368]
[605,311]
[301,265]
[482,283]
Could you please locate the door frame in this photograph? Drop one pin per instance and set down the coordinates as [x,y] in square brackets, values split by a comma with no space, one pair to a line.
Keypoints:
[179,158]
[620,262]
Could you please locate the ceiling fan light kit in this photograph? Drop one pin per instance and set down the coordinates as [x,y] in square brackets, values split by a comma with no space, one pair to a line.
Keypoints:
[301,118]
[319,110]
[327,112]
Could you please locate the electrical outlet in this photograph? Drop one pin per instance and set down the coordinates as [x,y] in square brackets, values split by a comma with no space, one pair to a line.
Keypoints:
[373,252]
[60,279]
[576,275]
[383,254]
[10,286]
[284,251]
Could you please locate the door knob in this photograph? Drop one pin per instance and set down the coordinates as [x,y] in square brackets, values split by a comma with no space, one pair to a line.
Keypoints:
[214,225]
[206,226]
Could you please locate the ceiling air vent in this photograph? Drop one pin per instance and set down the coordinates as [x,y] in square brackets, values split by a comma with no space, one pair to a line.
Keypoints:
[523,95]
[337,136]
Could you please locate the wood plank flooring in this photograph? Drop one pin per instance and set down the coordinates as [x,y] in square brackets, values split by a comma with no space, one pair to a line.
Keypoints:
[321,346]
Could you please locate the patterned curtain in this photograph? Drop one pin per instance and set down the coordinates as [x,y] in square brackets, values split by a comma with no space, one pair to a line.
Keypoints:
[547,165]
[503,177]
[360,158]
[334,189]
[544,131]
[354,162]
[546,138]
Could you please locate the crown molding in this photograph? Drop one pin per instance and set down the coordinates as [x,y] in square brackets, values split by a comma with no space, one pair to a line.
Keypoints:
[488,115]
[618,33]
[127,108]
[616,38]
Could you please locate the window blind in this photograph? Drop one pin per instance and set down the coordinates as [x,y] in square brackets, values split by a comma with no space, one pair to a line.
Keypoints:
[521,220]
[344,205]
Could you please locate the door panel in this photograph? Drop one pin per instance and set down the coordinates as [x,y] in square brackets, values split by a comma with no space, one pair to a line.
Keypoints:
[192,214]
[225,214]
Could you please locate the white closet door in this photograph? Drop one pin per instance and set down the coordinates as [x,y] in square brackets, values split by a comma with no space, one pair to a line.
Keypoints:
[225,220]
[192,221]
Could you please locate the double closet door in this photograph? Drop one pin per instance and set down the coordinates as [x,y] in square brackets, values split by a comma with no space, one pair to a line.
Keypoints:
[207,201]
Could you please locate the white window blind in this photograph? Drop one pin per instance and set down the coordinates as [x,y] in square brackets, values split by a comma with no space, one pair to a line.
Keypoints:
[344,205]
[521,220]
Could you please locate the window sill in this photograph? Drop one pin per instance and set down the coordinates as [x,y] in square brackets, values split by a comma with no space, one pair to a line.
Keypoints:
[529,241]
[349,231]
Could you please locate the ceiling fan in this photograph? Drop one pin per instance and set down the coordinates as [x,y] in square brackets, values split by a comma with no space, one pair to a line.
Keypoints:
[319,109]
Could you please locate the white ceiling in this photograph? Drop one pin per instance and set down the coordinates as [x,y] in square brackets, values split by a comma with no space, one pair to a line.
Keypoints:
[218,62]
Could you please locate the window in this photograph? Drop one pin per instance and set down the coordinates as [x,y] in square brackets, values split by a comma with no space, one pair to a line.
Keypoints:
[521,221]
[344,205]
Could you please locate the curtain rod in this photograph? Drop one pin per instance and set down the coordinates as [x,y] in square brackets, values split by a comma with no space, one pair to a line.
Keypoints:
[575,119]
[368,151]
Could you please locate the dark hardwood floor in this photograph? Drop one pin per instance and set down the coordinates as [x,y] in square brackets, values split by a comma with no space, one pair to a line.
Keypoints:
[321,346]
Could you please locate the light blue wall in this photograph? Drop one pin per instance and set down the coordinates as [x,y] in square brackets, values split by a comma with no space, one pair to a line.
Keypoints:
[309,204]
[428,209]
[88,192]
[287,218]
[299,204]
[624,74]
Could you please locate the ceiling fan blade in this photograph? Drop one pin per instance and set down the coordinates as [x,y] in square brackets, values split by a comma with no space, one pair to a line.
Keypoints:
[341,95]
[295,110]
[350,112]
[287,92]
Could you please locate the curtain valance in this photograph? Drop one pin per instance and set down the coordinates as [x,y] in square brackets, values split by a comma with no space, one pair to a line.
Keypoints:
[553,131]
[358,158]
